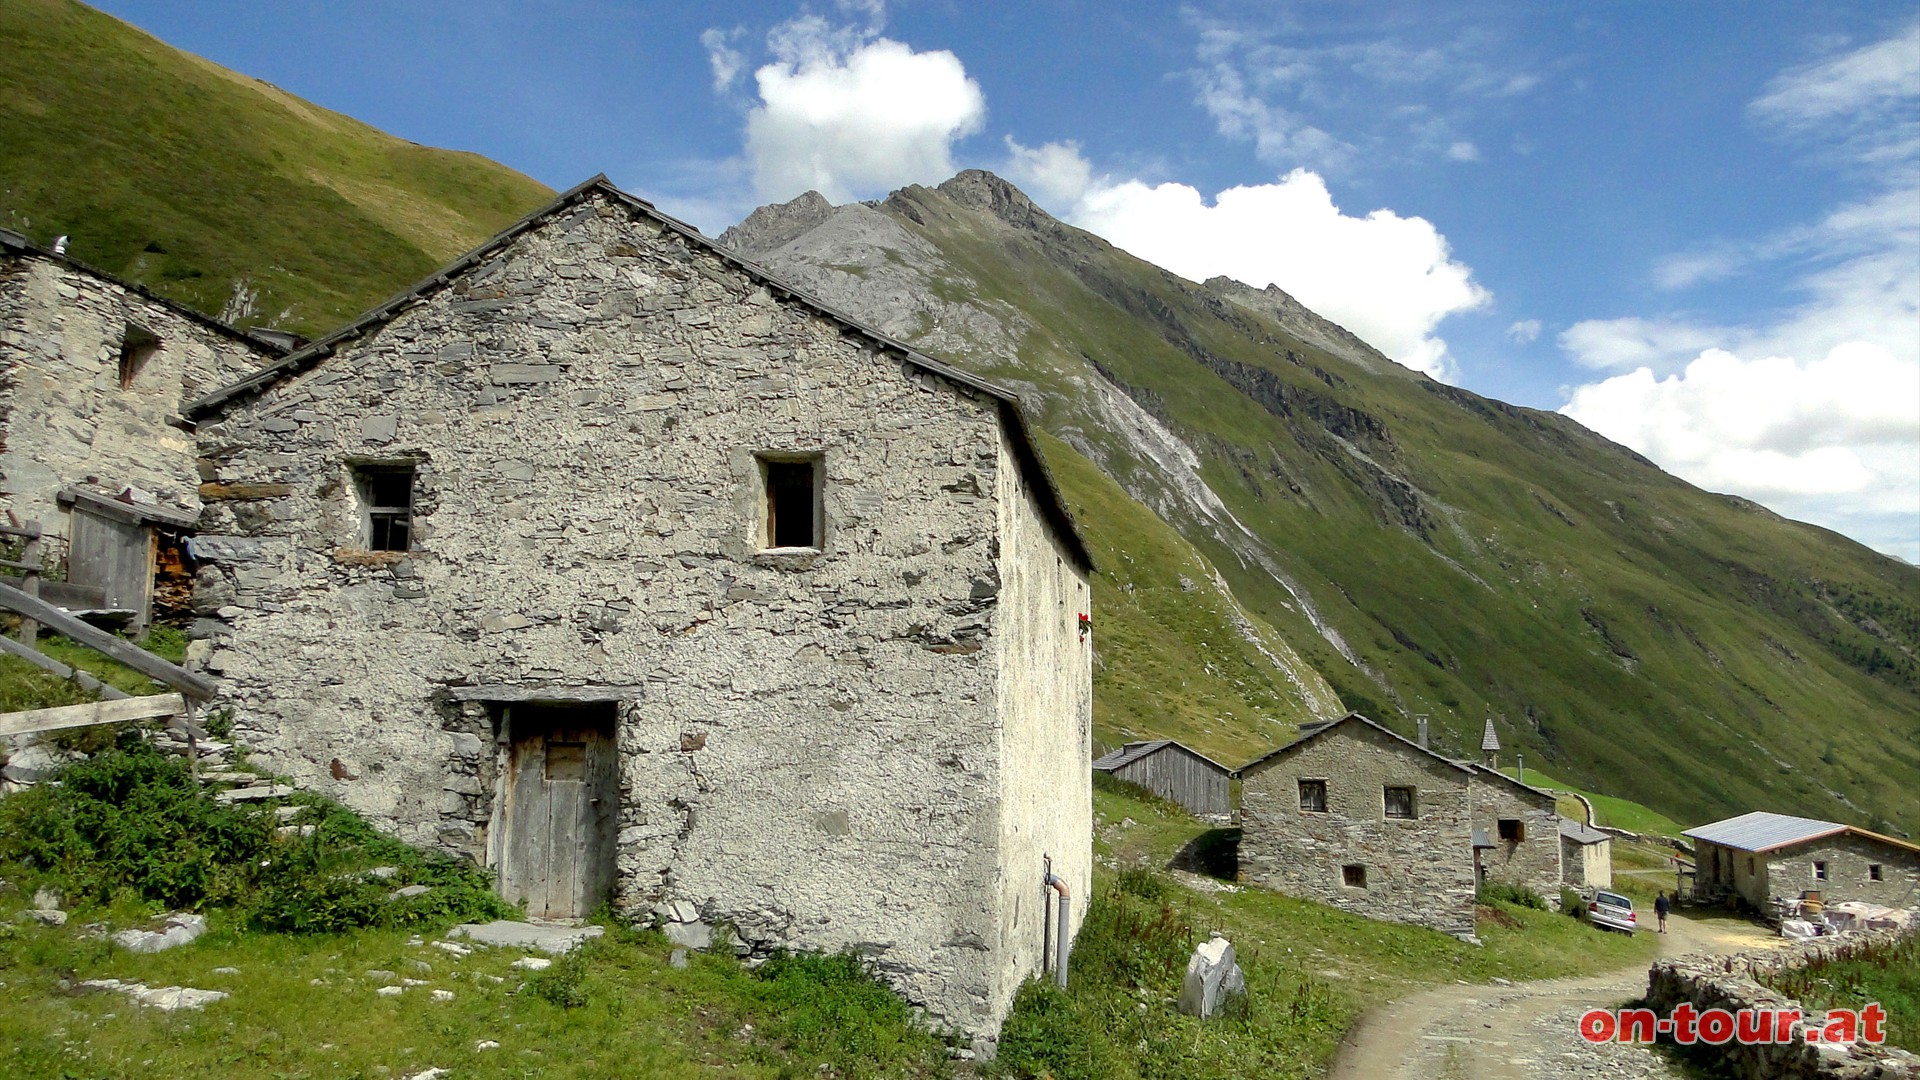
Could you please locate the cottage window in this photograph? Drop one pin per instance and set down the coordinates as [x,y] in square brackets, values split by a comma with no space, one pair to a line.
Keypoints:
[1873,872]
[790,512]
[1399,802]
[137,346]
[1313,796]
[1513,830]
[1353,876]
[386,496]
[1819,871]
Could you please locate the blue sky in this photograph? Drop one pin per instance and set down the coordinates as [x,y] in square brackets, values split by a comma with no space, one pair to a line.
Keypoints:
[1694,227]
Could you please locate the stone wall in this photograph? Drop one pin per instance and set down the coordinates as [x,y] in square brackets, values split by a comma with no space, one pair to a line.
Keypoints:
[1418,871]
[1533,862]
[812,743]
[1847,859]
[1046,727]
[63,412]
[1727,982]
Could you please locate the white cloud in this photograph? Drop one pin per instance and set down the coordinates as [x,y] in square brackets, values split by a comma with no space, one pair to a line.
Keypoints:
[725,60]
[1054,173]
[1832,441]
[1463,151]
[843,112]
[1388,278]
[1524,332]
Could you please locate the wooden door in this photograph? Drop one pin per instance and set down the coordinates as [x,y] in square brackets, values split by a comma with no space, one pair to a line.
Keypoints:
[559,814]
[113,556]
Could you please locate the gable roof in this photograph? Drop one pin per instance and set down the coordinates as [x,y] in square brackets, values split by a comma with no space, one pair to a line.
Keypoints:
[1761,831]
[1011,416]
[1581,833]
[1134,751]
[1482,770]
[12,243]
[1321,731]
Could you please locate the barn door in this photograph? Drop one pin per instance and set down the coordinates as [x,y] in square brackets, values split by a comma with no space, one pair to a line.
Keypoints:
[557,842]
[114,556]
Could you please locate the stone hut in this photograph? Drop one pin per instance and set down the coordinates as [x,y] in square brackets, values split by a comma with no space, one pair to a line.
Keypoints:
[1358,817]
[1174,772]
[609,561]
[1516,834]
[93,371]
[1586,855]
[1761,857]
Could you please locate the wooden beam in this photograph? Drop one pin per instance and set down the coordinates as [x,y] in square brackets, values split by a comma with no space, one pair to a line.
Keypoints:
[98,712]
[534,692]
[93,637]
[42,660]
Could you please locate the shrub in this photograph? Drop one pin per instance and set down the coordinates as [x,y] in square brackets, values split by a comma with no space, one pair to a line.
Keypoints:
[1570,902]
[1517,895]
[1047,1034]
[563,984]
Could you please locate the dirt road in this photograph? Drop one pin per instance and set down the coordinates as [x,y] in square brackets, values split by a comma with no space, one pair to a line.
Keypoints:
[1522,1031]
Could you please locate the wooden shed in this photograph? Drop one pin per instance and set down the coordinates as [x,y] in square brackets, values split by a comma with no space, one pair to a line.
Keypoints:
[1173,772]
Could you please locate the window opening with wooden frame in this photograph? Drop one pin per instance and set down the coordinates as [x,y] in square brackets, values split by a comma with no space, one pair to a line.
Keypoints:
[137,346]
[1399,802]
[1512,830]
[791,503]
[1313,796]
[1819,871]
[1874,872]
[386,494]
[1353,876]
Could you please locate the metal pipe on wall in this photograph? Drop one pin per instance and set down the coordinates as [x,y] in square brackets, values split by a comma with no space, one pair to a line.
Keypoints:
[1061,939]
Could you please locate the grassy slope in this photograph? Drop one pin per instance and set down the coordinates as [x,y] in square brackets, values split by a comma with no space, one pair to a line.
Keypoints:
[1639,635]
[185,177]
[1615,812]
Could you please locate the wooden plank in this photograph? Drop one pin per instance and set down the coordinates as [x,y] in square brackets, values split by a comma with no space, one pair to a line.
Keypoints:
[13,564]
[42,660]
[537,693]
[97,712]
[30,530]
[93,637]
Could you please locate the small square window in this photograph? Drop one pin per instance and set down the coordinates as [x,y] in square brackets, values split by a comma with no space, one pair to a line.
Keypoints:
[790,508]
[137,346]
[1873,872]
[1399,802]
[1353,876]
[1819,871]
[1313,796]
[1513,830]
[386,500]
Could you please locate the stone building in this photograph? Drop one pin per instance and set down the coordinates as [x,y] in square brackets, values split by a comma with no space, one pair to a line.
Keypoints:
[1174,772]
[93,372]
[604,558]
[1761,857]
[1586,855]
[1353,815]
[1358,817]
[1516,834]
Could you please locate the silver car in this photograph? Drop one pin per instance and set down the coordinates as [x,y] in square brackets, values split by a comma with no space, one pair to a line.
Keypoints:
[1609,911]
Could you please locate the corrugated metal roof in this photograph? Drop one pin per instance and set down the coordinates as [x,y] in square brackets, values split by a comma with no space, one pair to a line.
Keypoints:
[1763,831]
[1581,833]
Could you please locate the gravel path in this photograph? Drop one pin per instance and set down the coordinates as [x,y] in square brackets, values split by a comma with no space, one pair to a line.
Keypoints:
[1522,1031]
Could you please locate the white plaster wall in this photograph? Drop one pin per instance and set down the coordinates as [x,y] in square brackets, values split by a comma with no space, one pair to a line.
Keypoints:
[1046,728]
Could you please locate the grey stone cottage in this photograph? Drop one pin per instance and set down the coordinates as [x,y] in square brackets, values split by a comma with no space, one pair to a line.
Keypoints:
[604,558]
[1358,817]
[1761,857]
[93,371]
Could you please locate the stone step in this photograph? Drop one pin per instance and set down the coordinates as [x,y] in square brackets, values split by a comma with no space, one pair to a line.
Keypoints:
[252,794]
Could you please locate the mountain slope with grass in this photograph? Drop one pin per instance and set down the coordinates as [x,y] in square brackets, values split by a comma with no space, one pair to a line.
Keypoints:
[217,190]
[1424,549]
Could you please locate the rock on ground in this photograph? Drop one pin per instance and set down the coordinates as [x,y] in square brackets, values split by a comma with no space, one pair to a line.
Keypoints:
[554,940]
[164,998]
[1212,977]
[181,928]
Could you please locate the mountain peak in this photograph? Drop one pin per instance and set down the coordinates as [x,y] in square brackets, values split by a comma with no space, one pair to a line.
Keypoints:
[982,189]
[776,224]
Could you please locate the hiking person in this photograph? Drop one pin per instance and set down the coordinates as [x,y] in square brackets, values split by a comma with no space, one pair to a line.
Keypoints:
[1661,905]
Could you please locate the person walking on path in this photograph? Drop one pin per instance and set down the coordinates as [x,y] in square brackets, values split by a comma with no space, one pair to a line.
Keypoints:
[1661,905]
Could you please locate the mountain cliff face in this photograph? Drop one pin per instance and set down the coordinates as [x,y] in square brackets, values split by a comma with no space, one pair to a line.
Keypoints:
[1420,548]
